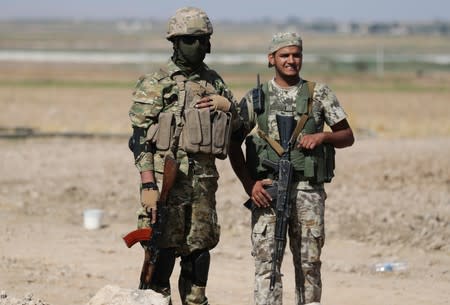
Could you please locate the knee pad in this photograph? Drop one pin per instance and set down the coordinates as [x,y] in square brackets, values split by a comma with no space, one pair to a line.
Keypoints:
[200,268]
[186,267]
[195,267]
[164,267]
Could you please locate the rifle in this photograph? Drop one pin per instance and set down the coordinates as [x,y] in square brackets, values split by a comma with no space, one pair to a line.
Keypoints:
[285,170]
[281,190]
[153,234]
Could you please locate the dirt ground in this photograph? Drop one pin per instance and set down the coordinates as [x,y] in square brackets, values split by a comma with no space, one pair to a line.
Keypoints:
[390,201]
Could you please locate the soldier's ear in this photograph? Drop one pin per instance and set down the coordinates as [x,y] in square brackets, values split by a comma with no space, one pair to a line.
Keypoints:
[271,60]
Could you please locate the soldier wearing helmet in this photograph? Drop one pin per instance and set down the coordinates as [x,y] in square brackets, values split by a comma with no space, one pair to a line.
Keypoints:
[187,111]
[309,105]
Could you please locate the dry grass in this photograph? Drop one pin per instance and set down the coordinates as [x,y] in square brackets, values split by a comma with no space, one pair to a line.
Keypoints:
[96,99]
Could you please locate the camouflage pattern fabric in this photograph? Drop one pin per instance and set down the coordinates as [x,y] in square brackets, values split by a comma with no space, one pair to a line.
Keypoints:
[158,92]
[325,109]
[189,21]
[281,40]
[306,236]
[306,226]
[192,220]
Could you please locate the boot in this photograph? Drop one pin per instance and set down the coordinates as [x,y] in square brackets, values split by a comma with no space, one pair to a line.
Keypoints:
[197,296]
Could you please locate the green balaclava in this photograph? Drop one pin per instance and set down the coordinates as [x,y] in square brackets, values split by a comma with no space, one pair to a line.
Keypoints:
[190,51]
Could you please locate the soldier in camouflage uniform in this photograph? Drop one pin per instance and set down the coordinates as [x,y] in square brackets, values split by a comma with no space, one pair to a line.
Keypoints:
[191,228]
[306,223]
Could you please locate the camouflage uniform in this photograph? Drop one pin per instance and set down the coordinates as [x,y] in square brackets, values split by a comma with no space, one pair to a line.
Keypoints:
[306,226]
[196,182]
[191,227]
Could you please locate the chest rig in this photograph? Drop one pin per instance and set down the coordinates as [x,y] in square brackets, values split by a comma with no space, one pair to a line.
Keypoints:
[315,166]
[191,129]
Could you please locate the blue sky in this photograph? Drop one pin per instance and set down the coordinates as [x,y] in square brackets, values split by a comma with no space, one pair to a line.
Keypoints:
[339,10]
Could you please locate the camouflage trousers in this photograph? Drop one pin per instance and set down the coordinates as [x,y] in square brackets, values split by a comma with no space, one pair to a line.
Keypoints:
[306,239]
[191,225]
[191,222]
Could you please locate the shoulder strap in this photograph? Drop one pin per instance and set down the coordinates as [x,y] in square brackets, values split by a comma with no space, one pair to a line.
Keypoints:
[274,144]
[262,118]
[311,86]
[304,117]
[180,79]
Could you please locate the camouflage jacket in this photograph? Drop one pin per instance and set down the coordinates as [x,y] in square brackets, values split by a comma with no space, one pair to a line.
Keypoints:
[158,92]
[325,109]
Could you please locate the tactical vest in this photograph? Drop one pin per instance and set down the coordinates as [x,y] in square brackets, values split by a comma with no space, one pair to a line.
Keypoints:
[200,130]
[315,166]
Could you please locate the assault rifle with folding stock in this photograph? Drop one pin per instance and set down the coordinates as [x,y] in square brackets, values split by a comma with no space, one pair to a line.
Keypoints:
[152,235]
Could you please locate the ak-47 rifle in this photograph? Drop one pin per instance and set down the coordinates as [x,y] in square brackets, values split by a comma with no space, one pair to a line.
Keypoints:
[153,234]
[283,203]
[281,190]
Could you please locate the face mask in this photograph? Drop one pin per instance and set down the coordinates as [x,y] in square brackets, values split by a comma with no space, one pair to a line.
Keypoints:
[193,49]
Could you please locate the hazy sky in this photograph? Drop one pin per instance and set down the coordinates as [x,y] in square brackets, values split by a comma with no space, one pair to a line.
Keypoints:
[339,10]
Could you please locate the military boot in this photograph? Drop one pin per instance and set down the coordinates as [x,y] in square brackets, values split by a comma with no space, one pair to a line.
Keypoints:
[197,296]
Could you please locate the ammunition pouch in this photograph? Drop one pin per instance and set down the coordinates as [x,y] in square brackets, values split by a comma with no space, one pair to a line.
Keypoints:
[206,132]
[166,128]
[318,164]
[315,166]
[203,131]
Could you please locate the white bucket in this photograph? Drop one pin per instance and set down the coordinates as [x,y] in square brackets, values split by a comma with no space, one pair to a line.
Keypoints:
[93,219]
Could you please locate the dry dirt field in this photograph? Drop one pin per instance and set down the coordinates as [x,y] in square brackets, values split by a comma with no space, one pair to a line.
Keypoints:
[390,200]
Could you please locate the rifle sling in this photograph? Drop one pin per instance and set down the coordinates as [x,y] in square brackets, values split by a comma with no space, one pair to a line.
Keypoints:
[274,144]
[304,117]
[298,128]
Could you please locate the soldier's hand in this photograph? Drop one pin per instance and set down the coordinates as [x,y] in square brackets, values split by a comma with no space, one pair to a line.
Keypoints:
[260,196]
[310,141]
[149,198]
[214,102]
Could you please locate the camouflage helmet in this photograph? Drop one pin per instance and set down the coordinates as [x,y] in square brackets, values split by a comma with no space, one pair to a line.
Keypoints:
[189,21]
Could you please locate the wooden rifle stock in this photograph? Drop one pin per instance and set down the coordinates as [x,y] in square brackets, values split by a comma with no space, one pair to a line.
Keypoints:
[170,174]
